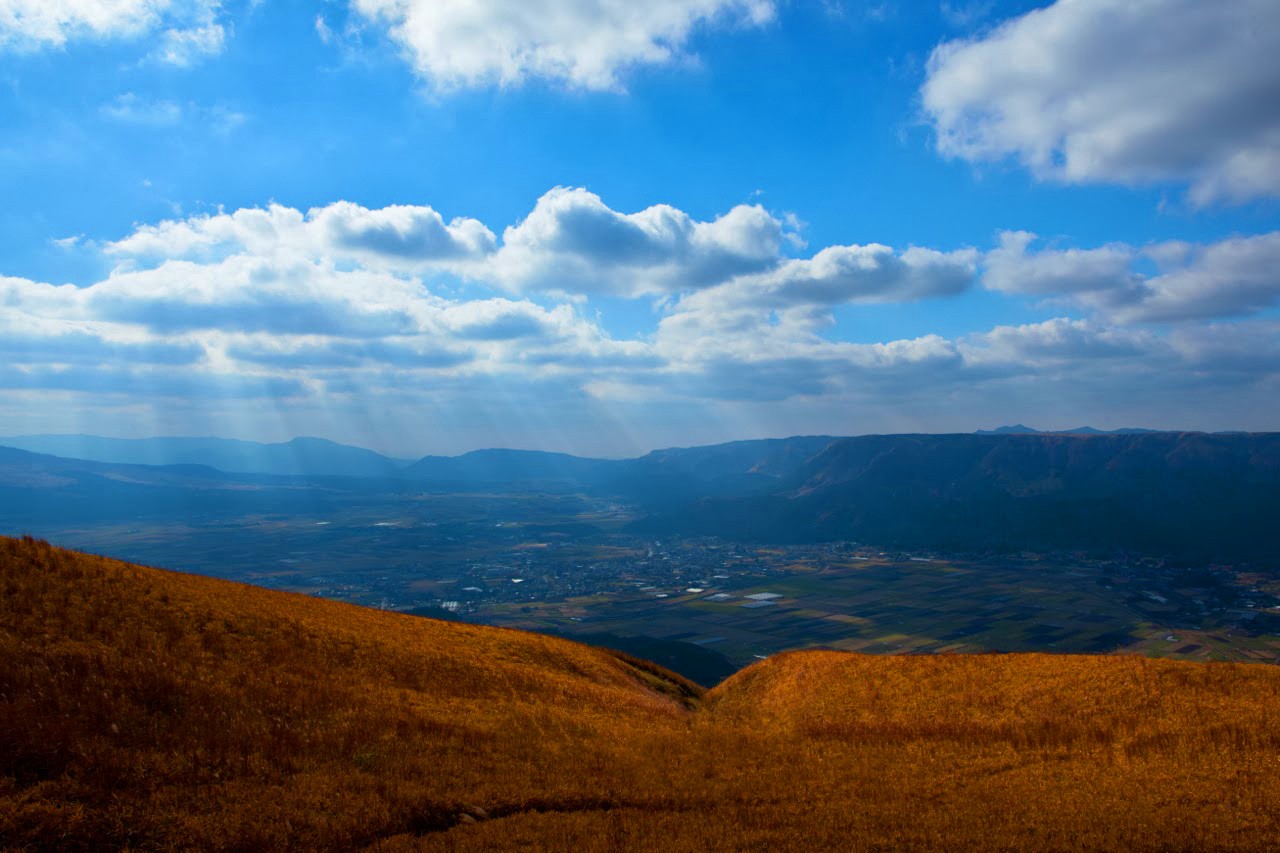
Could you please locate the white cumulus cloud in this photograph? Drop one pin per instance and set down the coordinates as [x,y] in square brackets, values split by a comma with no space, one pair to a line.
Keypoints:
[398,237]
[574,243]
[1012,269]
[1058,341]
[1232,277]
[187,29]
[1121,91]
[871,273]
[585,43]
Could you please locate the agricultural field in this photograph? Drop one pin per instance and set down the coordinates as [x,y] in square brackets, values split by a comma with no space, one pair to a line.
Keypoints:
[566,564]
[881,606]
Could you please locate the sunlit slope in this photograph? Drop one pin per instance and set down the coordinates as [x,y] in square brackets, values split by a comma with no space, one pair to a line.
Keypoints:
[834,751]
[152,710]
[141,707]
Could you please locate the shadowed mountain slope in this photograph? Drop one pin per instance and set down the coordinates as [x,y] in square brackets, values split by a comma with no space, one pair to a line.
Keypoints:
[1191,493]
[145,709]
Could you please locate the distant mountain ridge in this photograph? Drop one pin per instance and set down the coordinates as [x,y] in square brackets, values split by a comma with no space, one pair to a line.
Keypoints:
[501,465]
[309,456]
[1197,494]
[297,457]
[1023,429]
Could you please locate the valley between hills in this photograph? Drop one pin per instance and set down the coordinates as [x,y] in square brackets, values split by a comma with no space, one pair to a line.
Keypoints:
[144,709]
[707,559]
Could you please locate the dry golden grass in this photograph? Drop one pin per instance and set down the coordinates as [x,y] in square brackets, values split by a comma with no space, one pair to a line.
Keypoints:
[147,710]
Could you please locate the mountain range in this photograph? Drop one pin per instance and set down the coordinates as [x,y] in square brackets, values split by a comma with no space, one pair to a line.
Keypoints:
[1197,494]
[1022,429]
[298,456]
[309,456]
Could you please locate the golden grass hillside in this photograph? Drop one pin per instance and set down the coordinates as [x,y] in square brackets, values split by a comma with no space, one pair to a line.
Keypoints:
[151,710]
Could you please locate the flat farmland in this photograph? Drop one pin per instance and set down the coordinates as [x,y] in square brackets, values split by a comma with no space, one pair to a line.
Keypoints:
[911,607]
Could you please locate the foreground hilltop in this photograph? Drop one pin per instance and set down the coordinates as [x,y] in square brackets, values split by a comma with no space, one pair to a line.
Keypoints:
[152,710]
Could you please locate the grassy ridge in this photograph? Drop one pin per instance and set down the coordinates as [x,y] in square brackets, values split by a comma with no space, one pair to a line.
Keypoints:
[140,707]
[152,710]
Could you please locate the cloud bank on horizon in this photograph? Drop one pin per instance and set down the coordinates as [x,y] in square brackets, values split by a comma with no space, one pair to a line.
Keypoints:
[584,324]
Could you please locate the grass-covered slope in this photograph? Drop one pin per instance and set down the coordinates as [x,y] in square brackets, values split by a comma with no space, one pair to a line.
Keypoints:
[153,710]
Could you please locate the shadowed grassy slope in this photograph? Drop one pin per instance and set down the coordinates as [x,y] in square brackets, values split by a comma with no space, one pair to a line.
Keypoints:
[141,707]
[154,710]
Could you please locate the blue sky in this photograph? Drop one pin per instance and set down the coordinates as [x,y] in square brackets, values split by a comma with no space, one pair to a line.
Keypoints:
[603,227]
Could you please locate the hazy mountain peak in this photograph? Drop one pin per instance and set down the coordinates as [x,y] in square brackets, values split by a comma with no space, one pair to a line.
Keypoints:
[1015,429]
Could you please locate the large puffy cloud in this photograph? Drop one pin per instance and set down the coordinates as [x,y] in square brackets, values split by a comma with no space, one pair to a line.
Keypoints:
[331,299]
[1125,91]
[188,29]
[1012,269]
[1224,279]
[279,309]
[1060,341]
[584,44]
[402,231]
[1232,277]
[786,307]
[245,293]
[574,243]
[760,338]
[399,237]
[872,273]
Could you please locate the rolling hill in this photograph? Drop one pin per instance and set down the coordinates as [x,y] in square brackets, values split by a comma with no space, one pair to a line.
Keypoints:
[145,709]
